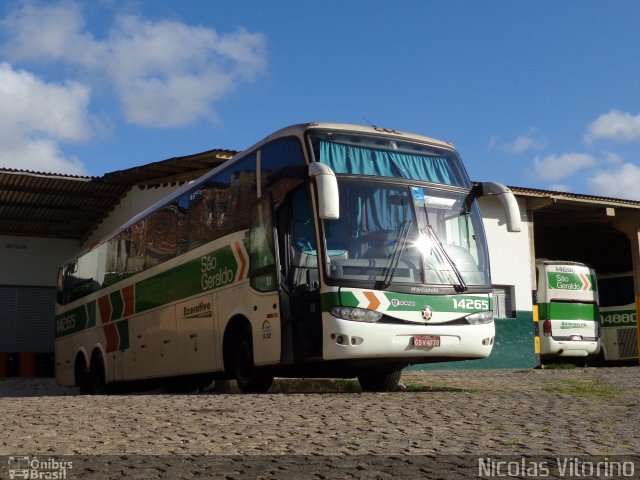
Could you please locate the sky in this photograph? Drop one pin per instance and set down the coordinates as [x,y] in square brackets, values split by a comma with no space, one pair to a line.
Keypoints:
[539,94]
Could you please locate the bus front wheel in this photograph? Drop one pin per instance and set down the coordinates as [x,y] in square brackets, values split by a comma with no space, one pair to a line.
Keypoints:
[249,378]
[383,381]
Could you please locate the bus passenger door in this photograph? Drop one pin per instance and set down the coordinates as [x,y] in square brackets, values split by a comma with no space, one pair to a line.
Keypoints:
[263,279]
[300,285]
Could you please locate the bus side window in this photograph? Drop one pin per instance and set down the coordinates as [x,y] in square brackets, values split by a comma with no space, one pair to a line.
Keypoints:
[242,194]
[282,168]
[304,259]
[224,206]
[262,262]
[161,235]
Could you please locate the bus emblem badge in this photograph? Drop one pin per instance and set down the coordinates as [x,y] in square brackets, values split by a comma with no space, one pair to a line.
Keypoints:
[427,313]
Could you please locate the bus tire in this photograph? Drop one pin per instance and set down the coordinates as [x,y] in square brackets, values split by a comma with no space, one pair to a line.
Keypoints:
[249,378]
[599,360]
[82,375]
[96,378]
[383,381]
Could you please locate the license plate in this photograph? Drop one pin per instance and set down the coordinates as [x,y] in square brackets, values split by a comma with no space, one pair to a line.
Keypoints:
[576,338]
[426,341]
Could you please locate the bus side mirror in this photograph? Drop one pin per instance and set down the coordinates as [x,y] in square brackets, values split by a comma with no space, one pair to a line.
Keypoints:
[508,201]
[327,188]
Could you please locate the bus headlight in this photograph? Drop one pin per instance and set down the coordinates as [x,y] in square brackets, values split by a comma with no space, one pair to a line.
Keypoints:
[355,314]
[480,317]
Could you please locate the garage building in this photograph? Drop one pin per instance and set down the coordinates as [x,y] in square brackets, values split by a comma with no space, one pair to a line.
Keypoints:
[46,218]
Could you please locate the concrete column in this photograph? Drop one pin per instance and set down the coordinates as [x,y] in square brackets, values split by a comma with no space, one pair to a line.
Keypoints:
[534,288]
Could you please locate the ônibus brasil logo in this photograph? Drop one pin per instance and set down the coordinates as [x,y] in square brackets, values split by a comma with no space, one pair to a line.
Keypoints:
[26,467]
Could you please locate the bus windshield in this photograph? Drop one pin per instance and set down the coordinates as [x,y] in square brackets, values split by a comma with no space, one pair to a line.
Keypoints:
[401,234]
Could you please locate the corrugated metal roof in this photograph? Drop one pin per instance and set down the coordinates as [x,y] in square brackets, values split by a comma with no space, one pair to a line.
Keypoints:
[575,197]
[177,169]
[68,206]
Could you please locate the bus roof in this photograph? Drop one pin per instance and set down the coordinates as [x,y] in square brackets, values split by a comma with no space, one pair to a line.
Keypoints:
[300,128]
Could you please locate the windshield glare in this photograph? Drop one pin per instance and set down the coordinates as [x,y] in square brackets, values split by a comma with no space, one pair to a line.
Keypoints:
[395,234]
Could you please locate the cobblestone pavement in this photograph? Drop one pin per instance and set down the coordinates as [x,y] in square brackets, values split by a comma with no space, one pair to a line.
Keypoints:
[325,429]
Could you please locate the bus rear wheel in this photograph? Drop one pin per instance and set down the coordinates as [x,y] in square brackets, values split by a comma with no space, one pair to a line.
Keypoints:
[96,384]
[383,381]
[249,378]
[82,375]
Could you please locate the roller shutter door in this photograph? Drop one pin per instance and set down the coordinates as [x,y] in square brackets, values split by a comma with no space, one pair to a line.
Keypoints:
[27,319]
[8,318]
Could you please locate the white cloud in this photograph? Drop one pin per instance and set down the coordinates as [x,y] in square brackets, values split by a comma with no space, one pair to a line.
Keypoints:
[165,73]
[36,117]
[169,74]
[612,158]
[556,167]
[615,125]
[38,155]
[50,33]
[523,143]
[620,183]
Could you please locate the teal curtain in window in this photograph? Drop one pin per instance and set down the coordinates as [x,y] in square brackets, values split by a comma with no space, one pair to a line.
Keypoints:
[367,161]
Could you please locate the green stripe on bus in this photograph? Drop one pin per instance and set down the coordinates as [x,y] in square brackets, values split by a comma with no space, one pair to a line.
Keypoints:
[439,303]
[208,272]
[328,300]
[568,311]
[117,305]
[618,318]
[571,281]
[76,320]
[409,302]
[123,333]
[91,314]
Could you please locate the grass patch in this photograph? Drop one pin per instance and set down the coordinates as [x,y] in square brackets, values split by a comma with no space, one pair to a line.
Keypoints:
[419,387]
[580,388]
[350,386]
[508,442]
[559,366]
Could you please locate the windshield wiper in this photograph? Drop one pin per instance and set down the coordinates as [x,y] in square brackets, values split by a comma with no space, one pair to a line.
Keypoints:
[395,258]
[461,286]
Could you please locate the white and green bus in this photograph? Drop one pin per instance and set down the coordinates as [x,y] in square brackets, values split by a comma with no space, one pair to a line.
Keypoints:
[324,250]
[618,319]
[567,302]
